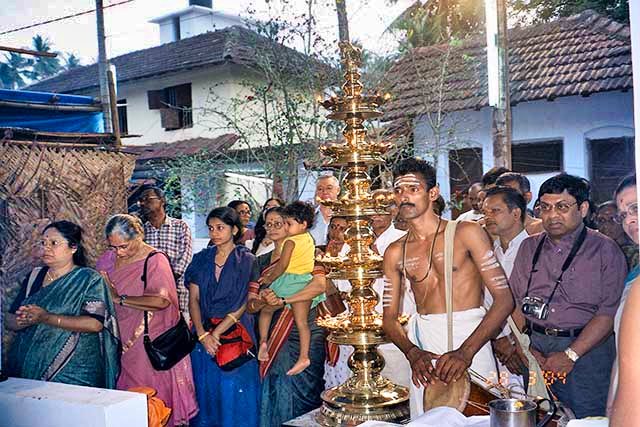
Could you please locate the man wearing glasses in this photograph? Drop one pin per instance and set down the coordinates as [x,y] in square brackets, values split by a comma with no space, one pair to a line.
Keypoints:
[567,283]
[169,235]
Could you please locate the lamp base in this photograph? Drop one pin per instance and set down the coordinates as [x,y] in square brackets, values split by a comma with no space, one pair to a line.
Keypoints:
[344,406]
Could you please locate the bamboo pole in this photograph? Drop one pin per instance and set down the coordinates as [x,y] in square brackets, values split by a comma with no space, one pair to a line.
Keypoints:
[113,102]
[28,52]
[35,106]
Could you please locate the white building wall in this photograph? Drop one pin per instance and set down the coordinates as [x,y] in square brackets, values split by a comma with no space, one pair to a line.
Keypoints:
[573,119]
[145,122]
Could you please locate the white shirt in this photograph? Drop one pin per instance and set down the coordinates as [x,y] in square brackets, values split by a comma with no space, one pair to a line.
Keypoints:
[470,216]
[388,236]
[319,229]
[508,258]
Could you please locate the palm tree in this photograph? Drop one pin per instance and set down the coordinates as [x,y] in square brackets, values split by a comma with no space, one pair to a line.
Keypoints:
[71,61]
[43,66]
[13,71]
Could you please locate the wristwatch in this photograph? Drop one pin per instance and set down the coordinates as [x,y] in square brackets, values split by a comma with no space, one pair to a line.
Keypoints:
[123,298]
[571,354]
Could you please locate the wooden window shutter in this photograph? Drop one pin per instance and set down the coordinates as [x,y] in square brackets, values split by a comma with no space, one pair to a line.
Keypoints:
[170,118]
[183,95]
[155,98]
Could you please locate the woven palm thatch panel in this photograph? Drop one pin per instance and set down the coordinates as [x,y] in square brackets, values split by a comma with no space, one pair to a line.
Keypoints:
[40,184]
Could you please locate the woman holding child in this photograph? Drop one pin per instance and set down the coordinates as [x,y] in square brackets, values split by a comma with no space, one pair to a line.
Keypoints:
[287,396]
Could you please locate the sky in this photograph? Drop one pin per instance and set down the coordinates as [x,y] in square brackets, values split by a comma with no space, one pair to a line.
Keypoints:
[127,27]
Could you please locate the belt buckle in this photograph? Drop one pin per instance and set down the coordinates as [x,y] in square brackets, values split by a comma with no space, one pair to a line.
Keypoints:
[553,332]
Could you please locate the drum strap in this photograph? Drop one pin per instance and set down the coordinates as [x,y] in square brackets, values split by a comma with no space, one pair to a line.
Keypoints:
[449,234]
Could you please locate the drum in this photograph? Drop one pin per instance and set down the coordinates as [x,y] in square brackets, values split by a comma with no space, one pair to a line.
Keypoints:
[468,395]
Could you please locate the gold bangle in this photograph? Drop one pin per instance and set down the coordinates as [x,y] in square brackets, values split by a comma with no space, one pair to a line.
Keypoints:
[59,321]
[201,337]
[234,318]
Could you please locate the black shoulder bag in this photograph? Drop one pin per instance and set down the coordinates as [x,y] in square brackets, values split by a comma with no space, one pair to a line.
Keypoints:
[172,345]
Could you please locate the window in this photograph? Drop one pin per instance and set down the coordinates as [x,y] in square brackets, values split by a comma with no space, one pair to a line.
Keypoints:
[174,103]
[465,168]
[122,116]
[537,157]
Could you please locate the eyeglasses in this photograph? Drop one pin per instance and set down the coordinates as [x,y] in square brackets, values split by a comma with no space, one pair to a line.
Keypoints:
[622,216]
[119,247]
[277,225]
[147,199]
[562,207]
[337,227]
[244,212]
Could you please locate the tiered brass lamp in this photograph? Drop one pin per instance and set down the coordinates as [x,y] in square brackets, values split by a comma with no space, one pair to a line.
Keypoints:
[366,395]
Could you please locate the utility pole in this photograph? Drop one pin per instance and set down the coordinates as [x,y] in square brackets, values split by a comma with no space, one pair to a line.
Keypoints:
[343,22]
[102,69]
[498,75]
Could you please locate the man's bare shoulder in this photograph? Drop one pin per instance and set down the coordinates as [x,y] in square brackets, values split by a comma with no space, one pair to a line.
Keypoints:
[471,234]
[394,249]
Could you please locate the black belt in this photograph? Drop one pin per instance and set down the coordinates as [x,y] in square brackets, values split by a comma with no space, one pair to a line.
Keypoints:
[552,332]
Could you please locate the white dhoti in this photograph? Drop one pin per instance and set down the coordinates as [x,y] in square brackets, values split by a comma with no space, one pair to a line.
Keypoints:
[429,332]
[396,367]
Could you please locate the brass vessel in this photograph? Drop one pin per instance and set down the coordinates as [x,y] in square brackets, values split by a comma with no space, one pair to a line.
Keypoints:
[366,395]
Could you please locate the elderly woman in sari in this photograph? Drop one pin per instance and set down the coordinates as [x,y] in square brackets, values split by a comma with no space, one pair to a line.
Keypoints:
[283,396]
[218,279]
[123,266]
[64,317]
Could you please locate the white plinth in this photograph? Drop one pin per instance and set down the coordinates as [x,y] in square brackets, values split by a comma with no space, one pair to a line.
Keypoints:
[29,403]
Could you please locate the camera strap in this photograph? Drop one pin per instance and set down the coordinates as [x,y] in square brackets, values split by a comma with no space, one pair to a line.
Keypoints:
[565,266]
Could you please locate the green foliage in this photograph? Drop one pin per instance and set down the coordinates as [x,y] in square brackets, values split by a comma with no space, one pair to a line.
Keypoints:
[438,21]
[17,71]
[274,112]
[548,10]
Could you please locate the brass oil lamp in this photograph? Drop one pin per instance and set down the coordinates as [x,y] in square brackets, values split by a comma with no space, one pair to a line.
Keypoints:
[366,395]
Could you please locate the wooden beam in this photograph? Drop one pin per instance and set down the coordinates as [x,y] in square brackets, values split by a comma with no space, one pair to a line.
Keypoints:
[87,108]
[28,52]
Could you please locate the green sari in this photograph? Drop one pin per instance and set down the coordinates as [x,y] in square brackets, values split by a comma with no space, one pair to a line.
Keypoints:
[48,353]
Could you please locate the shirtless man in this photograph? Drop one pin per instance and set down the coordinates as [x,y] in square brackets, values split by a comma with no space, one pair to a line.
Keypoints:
[474,264]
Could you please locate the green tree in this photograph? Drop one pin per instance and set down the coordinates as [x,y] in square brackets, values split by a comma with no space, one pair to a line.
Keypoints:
[43,66]
[548,10]
[71,61]
[13,69]
[437,22]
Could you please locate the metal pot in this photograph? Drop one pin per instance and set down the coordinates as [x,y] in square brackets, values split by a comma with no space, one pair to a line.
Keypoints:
[517,413]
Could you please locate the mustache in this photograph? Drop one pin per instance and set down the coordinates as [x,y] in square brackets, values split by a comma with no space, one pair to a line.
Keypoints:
[407,204]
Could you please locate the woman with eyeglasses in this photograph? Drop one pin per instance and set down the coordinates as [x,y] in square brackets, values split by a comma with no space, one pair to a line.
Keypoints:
[244,212]
[123,266]
[261,244]
[609,224]
[626,200]
[64,317]
[286,397]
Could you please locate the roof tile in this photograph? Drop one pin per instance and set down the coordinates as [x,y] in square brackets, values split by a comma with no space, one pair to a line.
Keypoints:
[577,55]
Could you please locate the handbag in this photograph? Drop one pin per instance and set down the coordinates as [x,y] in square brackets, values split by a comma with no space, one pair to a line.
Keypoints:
[236,346]
[171,346]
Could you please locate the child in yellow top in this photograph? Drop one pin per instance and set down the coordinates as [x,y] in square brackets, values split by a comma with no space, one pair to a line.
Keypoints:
[291,273]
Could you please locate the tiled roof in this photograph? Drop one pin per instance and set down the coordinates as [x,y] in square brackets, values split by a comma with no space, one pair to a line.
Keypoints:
[577,55]
[186,147]
[235,44]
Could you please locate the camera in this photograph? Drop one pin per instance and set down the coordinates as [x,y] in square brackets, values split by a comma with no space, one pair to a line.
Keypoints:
[536,307]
